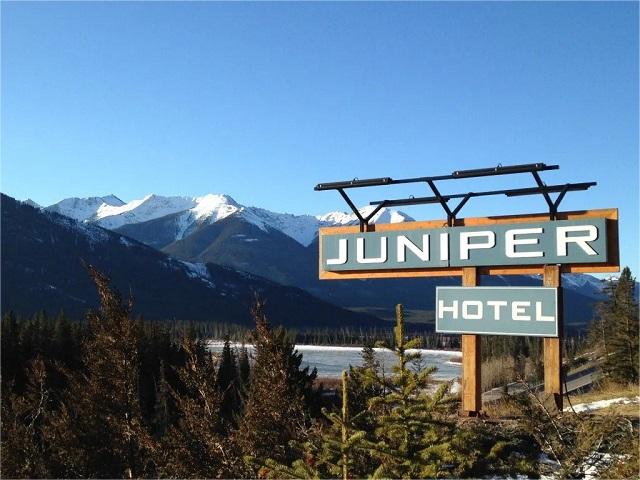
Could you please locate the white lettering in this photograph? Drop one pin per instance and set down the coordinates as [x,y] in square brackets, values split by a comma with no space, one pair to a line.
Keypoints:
[511,242]
[518,310]
[496,304]
[360,252]
[543,318]
[444,246]
[404,243]
[472,316]
[562,239]
[342,254]
[465,246]
[453,309]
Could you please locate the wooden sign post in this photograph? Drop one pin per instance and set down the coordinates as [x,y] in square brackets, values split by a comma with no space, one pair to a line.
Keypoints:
[553,346]
[471,358]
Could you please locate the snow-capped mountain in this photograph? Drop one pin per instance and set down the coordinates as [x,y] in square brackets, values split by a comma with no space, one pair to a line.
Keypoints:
[189,212]
[84,208]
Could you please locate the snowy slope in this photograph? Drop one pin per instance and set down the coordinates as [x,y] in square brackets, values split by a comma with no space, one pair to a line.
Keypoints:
[110,212]
[136,211]
[84,208]
[385,215]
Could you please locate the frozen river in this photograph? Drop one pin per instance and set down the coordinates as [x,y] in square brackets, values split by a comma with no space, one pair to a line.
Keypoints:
[331,361]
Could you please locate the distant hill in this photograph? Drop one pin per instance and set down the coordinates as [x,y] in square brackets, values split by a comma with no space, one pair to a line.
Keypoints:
[41,269]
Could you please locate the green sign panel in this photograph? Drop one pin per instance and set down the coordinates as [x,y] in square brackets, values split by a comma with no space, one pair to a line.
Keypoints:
[522,311]
[536,243]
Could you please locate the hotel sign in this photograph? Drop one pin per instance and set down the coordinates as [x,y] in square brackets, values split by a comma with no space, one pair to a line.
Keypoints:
[504,242]
[523,311]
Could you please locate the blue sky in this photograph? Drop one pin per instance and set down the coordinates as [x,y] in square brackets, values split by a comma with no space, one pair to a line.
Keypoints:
[263,101]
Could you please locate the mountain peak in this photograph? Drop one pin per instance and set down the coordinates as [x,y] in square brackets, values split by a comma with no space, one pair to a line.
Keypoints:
[384,215]
[112,199]
[31,203]
[82,209]
[214,207]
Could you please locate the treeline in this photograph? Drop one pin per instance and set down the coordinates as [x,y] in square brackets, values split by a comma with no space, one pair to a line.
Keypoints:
[46,326]
[348,336]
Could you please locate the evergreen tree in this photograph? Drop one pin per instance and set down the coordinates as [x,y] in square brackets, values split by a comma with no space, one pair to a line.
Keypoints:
[618,326]
[244,368]
[100,431]
[228,383]
[194,447]
[161,408]
[274,412]
[365,381]
[413,435]
[343,442]
[331,453]
[24,415]
[11,355]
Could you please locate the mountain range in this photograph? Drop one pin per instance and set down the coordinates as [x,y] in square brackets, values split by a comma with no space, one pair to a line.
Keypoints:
[42,268]
[218,231]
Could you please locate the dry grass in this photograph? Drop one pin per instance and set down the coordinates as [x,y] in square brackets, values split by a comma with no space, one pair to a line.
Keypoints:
[500,409]
[332,383]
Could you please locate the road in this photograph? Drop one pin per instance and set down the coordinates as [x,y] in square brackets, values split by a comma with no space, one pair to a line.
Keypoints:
[576,379]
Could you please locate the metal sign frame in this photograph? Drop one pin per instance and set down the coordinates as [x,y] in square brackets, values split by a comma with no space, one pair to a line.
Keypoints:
[470,275]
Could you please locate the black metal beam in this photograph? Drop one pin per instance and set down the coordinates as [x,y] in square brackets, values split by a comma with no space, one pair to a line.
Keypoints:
[500,170]
[366,182]
[509,193]
[479,172]
[570,187]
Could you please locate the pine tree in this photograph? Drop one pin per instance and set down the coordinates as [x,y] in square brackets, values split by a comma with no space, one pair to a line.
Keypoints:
[24,415]
[330,452]
[365,381]
[194,446]
[619,327]
[274,412]
[344,442]
[228,383]
[100,431]
[413,435]
[161,408]
[244,368]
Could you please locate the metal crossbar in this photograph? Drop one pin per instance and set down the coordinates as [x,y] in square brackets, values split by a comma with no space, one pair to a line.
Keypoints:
[533,168]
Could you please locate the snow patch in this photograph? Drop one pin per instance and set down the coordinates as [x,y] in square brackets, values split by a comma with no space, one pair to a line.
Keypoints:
[199,271]
[588,407]
[126,242]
